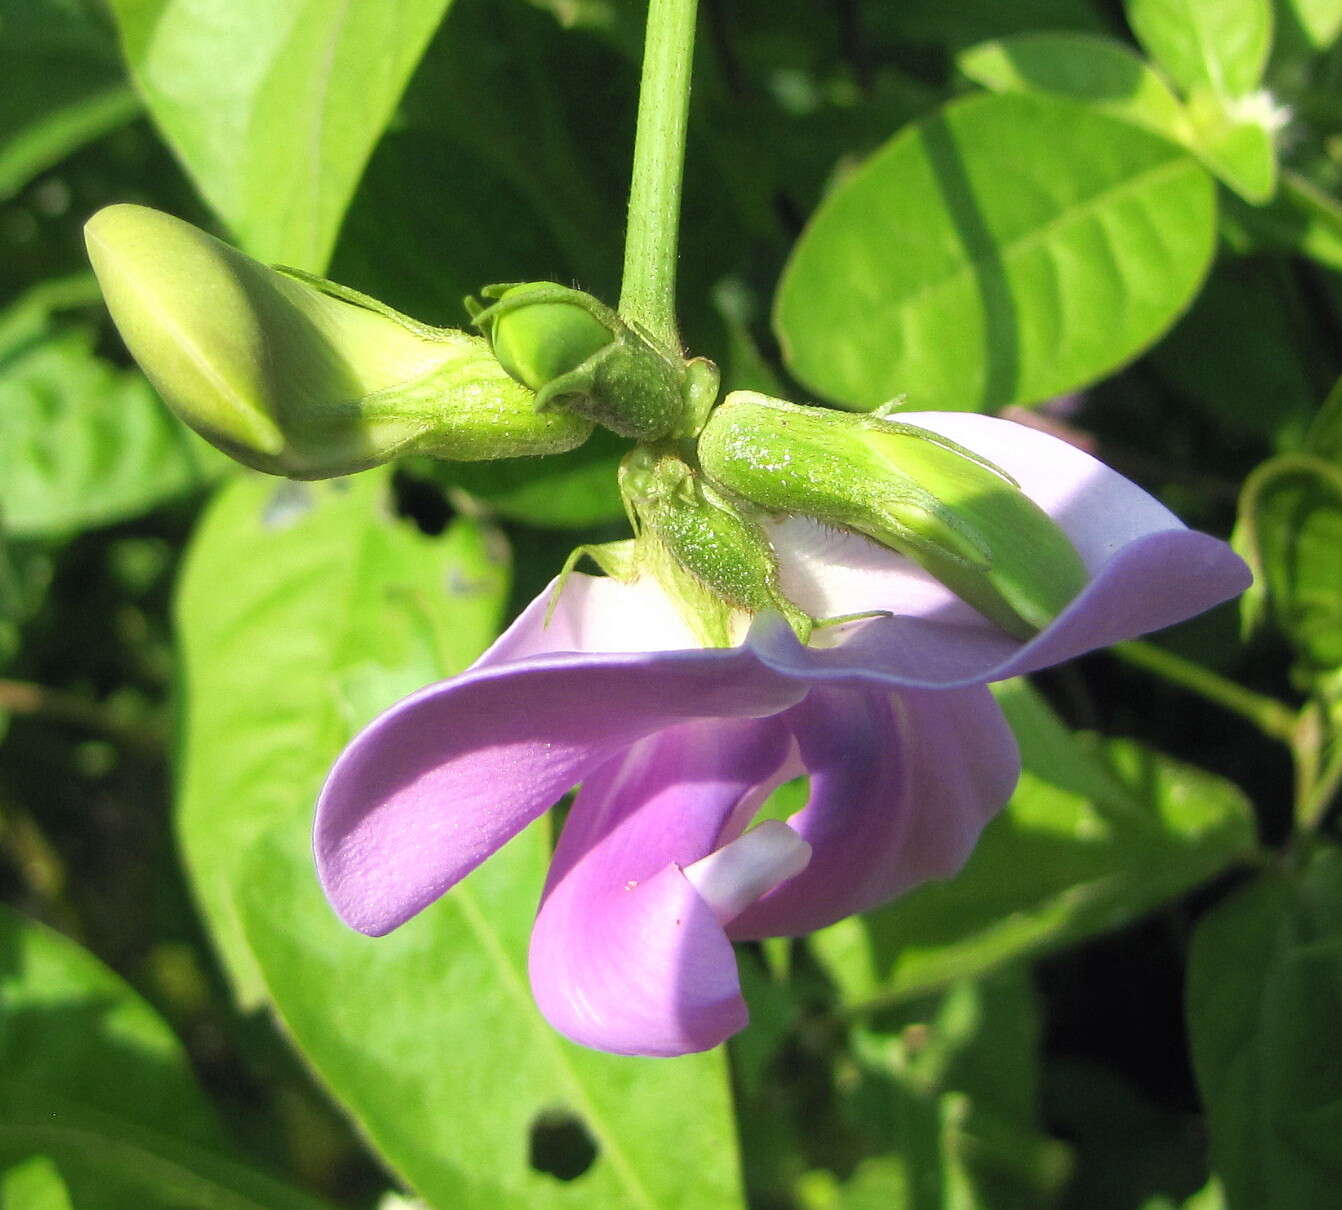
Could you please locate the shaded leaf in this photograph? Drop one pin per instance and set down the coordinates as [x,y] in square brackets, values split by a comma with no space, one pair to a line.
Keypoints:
[945,1099]
[1289,531]
[82,441]
[1264,998]
[1300,218]
[1261,384]
[64,85]
[1005,250]
[93,1079]
[562,491]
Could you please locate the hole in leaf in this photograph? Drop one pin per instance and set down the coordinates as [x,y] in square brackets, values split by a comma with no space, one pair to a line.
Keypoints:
[421,502]
[560,1145]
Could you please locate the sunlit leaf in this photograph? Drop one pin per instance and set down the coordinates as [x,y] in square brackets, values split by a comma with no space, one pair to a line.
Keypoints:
[1103,73]
[1219,44]
[274,106]
[1314,24]
[33,1184]
[1238,148]
[1004,250]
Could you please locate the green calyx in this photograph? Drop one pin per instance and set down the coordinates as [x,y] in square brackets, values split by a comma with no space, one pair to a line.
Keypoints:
[297,376]
[579,356]
[693,533]
[955,514]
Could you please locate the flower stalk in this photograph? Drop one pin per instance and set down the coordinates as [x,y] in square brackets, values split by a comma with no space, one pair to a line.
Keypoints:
[648,289]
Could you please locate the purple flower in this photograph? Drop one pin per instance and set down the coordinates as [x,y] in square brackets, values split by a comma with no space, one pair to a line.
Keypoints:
[676,747]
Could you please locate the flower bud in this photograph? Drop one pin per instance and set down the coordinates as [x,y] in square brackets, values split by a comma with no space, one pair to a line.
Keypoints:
[299,377]
[579,356]
[952,512]
[707,536]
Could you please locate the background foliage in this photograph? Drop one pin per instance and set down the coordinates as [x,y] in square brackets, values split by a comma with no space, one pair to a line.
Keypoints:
[1121,216]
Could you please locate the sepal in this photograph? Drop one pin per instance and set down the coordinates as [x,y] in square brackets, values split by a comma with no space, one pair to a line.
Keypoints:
[712,540]
[296,376]
[954,513]
[579,356]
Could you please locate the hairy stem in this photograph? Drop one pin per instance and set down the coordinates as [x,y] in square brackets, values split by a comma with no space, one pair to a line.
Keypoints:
[648,291]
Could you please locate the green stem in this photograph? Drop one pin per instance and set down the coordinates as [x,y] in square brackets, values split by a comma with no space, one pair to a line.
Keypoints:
[1270,716]
[648,292]
[23,697]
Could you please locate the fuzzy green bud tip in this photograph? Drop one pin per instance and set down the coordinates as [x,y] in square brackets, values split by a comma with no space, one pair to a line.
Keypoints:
[950,511]
[296,376]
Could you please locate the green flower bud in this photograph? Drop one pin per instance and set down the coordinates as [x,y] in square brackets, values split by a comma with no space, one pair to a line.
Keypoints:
[955,514]
[542,341]
[296,376]
[579,356]
[708,537]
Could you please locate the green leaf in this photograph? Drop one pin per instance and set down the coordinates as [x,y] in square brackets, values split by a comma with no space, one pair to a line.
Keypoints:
[274,106]
[1300,218]
[1235,145]
[1264,993]
[1219,44]
[73,1032]
[1099,72]
[947,1090]
[1108,78]
[1261,385]
[64,85]
[1325,434]
[430,1039]
[304,609]
[83,442]
[92,1078]
[1004,250]
[33,1184]
[1289,531]
[1312,26]
[25,572]
[1096,835]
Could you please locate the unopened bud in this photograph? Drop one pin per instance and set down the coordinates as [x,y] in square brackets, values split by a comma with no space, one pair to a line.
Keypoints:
[706,535]
[579,356]
[298,377]
[955,514]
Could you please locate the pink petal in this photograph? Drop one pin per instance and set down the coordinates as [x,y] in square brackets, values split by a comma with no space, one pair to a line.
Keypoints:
[438,782]
[901,786]
[626,955]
